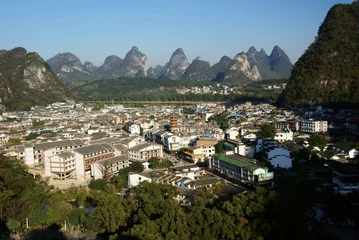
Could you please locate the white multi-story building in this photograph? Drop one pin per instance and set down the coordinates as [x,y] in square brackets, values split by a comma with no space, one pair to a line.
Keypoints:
[284,135]
[172,143]
[145,151]
[135,178]
[312,126]
[38,153]
[61,165]
[132,128]
[109,167]
[4,138]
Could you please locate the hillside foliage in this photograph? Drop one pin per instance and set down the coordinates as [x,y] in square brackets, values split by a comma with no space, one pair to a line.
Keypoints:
[328,73]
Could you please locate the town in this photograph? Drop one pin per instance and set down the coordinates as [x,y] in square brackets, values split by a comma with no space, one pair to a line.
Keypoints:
[246,144]
[223,150]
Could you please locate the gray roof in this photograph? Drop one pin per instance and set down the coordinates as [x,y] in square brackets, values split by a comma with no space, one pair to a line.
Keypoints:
[113,160]
[20,148]
[106,140]
[349,179]
[93,148]
[142,146]
[206,181]
[47,145]
[66,154]
[343,146]
[128,140]
[28,144]
[186,167]
[120,147]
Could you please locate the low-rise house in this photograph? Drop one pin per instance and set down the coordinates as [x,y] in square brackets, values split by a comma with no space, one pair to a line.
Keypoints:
[348,151]
[206,141]
[4,138]
[346,184]
[171,143]
[198,154]
[245,149]
[284,135]
[207,182]
[232,133]
[136,178]
[250,136]
[132,128]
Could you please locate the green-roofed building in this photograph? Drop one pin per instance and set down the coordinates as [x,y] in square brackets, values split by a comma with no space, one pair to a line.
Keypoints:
[240,169]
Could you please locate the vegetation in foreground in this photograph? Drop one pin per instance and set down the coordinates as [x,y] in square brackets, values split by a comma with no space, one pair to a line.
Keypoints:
[150,210]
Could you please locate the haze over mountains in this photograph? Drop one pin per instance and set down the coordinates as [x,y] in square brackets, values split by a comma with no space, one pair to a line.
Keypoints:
[244,67]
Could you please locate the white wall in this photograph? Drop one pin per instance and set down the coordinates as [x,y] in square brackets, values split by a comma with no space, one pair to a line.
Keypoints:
[134,179]
[80,167]
[279,157]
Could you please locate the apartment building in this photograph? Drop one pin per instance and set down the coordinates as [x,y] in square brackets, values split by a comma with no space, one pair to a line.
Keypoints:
[87,156]
[109,167]
[312,126]
[36,154]
[145,151]
[240,169]
[60,166]
[171,143]
[284,135]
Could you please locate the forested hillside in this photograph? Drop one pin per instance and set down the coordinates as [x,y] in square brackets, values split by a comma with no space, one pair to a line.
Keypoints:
[328,72]
[150,211]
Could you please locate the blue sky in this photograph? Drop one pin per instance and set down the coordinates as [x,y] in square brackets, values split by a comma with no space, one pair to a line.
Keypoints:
[93,30]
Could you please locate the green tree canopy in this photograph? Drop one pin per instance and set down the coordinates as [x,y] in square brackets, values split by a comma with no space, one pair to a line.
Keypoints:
[267,131]
[317,140]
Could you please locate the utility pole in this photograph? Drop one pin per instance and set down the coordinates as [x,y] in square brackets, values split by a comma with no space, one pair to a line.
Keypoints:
[27,224]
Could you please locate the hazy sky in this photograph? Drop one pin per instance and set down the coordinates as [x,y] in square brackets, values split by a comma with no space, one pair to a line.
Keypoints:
[93,30]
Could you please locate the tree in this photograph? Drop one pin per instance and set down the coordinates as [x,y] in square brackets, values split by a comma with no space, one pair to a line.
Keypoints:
[267,131]
[109,211]
[136,167]
[98,184]
[14,140]
[13,224]
[317,140]
[304,154]
[219,147]
[32,136]
[5,196]
[98,106]
[159,163]
[188,110]
[38,122]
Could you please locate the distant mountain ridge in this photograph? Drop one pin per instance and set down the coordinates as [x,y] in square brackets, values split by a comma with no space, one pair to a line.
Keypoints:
[27,80]
[243,68]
